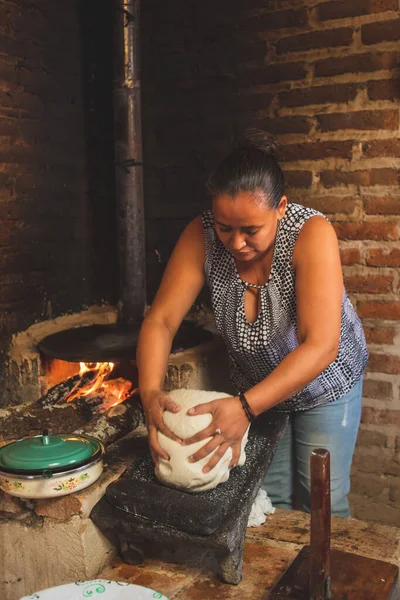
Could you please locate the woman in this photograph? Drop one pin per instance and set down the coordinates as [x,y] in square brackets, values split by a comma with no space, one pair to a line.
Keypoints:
[294,340]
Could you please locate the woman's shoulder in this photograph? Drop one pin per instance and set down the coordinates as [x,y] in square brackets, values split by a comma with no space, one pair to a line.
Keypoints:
[194,230]
[316,237]
[297,214]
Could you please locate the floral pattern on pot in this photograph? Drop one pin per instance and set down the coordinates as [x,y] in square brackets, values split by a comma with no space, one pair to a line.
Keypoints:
[97,589]
[69,484]
[11,486]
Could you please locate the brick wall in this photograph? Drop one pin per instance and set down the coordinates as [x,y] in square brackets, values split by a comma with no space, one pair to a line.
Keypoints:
[56,170]
[324,77]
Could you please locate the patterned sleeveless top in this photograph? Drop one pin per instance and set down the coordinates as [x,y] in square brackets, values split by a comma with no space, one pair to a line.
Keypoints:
[255,349]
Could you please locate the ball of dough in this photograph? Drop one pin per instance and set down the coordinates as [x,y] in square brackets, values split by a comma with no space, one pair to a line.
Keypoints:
[178,471]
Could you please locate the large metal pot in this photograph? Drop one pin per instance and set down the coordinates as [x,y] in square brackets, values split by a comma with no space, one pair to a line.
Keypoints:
[46,466]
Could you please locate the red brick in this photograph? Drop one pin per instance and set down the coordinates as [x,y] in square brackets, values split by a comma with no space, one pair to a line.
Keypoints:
[366,231]
[64,509]
[355,8]
[331,38]
[394,494]
[364,119]
[372,177]
[283,125]
[27,104]
[374,416]
[377,257]
[383,31]
[6,180]
[371,438]
[7,126]
[380,310]
[377,390]
[315,151]
[298,179]
[384,89]
[279,19]
[386,205]
[356,63]
[331,204]
[273,73]
[369,485]
[350,256]
[378,148]
[323,94]
[374,464]
[379,335]
[9,81]
[369,284]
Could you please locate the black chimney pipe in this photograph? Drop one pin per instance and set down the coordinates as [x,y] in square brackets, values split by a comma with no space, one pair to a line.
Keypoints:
[128,161]
[98,343]
[102,343]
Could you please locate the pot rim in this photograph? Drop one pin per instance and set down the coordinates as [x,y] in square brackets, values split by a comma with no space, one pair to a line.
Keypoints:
[54,473]
[59,471]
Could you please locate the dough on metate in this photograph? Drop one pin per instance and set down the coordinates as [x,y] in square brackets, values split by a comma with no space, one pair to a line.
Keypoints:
[178,471]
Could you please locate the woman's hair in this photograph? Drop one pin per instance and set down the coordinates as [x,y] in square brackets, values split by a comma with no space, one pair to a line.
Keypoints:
[251,165]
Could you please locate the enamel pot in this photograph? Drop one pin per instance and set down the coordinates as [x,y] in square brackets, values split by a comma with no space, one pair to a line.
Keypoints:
[47,466]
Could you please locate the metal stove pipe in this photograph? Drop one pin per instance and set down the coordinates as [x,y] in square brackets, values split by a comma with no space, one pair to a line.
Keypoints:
[128,161]
[116,343]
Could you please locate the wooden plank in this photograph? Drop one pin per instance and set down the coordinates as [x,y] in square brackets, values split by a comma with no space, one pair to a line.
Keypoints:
[262,566]
[290,529]
[353,577]
[281,537]
[320,525]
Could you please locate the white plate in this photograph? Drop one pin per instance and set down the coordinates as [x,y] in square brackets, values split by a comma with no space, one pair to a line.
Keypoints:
[97,589]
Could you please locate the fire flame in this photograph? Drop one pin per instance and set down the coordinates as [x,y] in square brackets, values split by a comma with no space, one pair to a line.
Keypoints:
[115,391]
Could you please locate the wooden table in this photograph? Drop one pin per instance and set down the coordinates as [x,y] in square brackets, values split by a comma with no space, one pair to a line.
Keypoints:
[268,551]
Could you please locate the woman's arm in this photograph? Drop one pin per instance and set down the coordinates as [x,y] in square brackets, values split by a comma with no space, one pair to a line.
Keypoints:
[319,291]
[182,282]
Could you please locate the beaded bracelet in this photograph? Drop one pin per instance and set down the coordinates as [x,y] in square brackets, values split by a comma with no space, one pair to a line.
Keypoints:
[245,405]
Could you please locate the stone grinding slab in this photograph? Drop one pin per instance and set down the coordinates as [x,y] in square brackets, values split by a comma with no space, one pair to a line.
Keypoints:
[139,492]
[149,518]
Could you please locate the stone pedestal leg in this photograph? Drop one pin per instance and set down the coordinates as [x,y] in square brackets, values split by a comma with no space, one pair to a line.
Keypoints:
[230,566]
[131,551]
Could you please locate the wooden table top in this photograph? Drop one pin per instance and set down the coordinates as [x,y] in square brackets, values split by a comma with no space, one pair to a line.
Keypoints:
[269,549]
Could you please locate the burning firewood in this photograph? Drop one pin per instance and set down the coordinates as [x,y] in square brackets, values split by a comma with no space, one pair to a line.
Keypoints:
[105,407]
[92,384]
[57,393]
[116,411]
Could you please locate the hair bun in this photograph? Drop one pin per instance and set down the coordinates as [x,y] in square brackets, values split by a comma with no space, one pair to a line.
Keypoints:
[259,140]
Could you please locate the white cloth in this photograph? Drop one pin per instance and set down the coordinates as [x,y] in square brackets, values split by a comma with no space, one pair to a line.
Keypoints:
[178,472]
[262,506]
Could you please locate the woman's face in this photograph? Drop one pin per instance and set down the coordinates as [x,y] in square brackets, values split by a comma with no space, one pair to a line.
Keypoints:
[245,225]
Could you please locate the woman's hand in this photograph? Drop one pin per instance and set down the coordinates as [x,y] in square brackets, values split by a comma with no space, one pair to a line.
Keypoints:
[227,428]
[155,403]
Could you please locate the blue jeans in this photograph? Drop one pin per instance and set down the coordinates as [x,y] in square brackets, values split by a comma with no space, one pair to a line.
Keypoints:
[333,426]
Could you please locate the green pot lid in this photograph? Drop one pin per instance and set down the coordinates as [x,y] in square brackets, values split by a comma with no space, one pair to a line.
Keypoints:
[48,452]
